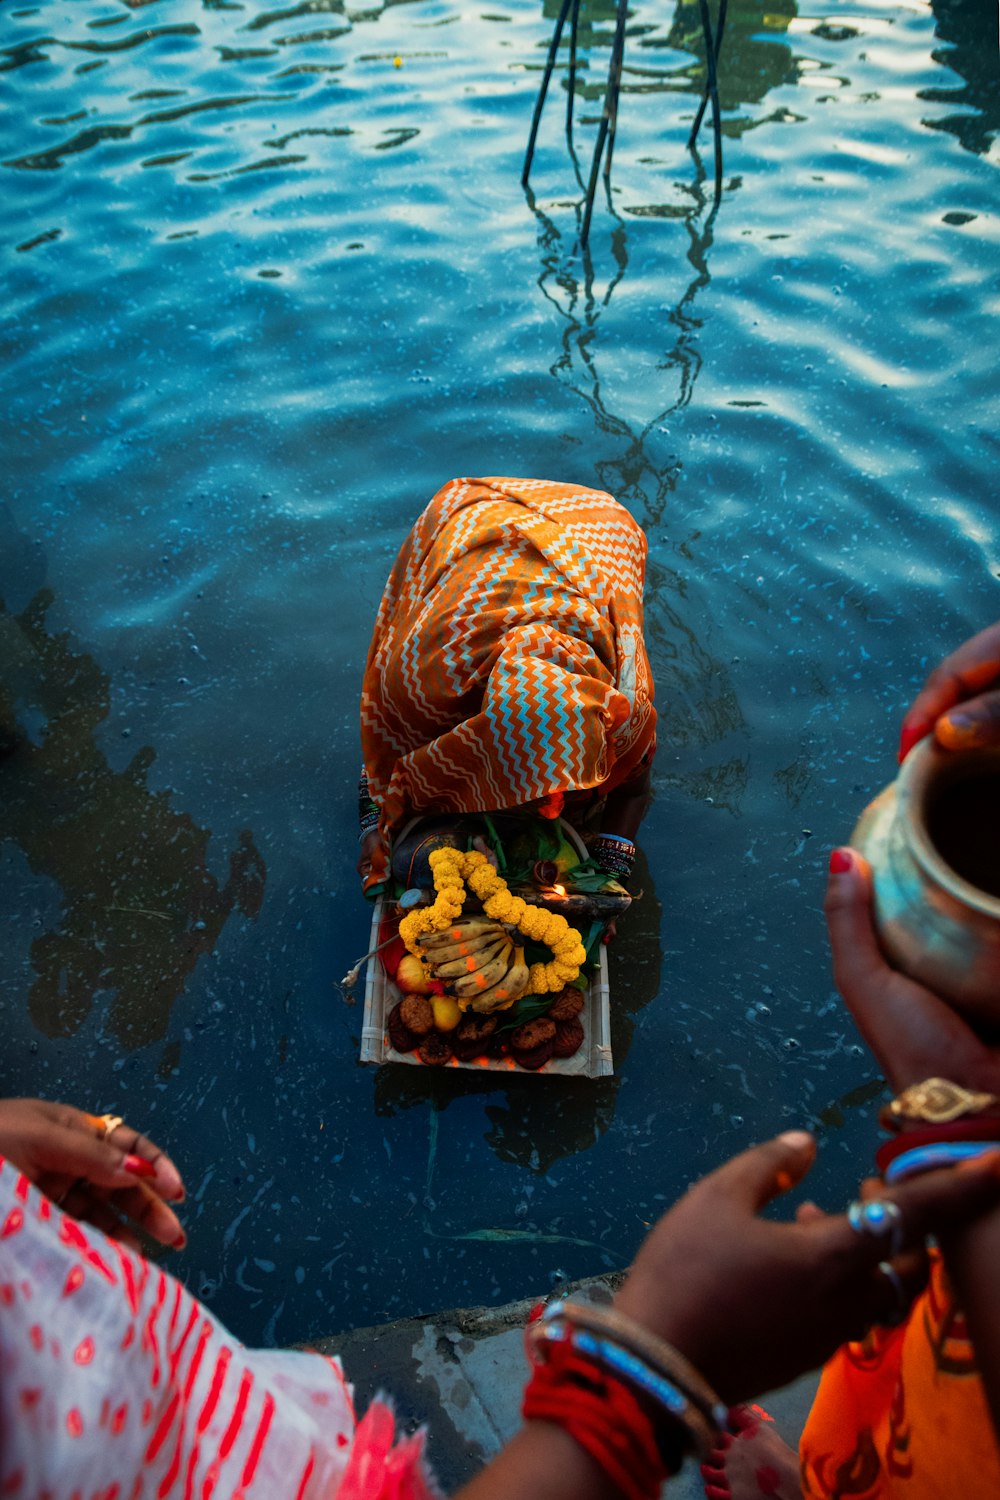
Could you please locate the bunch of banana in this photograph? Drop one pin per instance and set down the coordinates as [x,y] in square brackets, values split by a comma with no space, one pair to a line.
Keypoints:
[476,961]
[506,990]
[467,935]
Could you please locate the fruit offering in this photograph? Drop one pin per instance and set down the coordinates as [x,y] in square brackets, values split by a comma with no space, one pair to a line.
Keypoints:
[491,949]
[414,1026]
[477,962]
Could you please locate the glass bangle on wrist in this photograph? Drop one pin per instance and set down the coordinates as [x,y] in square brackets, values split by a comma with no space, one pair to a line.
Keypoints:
[653,1369]
[979,1128]
[613,853]
[929,1158]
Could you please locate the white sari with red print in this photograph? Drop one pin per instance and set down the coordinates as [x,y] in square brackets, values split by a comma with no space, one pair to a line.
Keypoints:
[117,1384]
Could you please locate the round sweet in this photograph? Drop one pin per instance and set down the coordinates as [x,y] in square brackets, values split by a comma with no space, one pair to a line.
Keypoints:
[532,1034]
[533,1058]
[435,1050]
[568,1038]
[568,1003]
[417,1013]
[473,1027]
[401,1038]
[472,1036]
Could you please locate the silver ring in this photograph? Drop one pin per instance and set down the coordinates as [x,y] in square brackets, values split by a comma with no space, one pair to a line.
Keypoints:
[902,1307]
[882,1219]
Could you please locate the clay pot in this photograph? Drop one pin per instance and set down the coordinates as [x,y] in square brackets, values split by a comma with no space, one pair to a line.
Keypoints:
[412,851]
[933,841]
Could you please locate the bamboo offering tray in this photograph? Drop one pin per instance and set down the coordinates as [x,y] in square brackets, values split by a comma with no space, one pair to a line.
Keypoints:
[593,1060]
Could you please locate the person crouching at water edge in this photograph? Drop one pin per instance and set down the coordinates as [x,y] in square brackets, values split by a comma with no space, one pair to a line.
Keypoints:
[508,669]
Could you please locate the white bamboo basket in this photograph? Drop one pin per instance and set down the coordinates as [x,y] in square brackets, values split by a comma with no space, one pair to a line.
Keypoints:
[592,1060]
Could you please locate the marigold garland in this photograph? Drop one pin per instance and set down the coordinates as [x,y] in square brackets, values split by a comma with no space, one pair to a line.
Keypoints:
[453,870]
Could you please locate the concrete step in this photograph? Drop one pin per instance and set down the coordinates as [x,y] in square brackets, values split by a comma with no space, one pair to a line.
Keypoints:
[461,1373]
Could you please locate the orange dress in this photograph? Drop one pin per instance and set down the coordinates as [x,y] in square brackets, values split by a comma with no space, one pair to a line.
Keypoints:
[508,659]
[902,1415]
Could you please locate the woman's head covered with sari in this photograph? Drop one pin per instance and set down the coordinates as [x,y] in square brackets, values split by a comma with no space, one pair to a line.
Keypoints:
[507,662]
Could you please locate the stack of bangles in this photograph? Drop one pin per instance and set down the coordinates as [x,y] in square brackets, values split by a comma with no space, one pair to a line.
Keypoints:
[939,1124]
[368,813]
[613,853]
[630,1400]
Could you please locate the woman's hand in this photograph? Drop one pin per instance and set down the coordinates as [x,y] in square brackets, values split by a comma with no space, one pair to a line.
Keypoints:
[753,1303]
[913,1033]
[953,702]
[111,1179]
[366,853]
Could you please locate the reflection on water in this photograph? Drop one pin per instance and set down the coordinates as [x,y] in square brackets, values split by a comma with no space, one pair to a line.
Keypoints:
[750,65]
[640,478]
[671,61]
[968,31]
[140,906]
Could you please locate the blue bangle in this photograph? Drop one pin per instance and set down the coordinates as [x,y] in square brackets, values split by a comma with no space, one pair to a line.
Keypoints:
[652,1367]
[636,1373]
[929,1158]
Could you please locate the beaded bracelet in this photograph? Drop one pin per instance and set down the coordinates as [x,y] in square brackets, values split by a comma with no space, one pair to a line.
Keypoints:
[929,1158]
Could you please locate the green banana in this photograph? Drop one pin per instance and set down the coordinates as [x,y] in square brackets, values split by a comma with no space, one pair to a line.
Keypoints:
[471,985]
[510,988]
[469,963]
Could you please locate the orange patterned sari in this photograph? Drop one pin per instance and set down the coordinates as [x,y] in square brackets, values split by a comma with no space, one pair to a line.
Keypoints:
[508,659]
[902,1416]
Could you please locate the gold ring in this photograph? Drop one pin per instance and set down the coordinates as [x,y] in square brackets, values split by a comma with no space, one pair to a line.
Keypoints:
[108,1123]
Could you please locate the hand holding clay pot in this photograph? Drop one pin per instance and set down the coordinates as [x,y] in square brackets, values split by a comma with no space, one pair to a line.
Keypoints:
[912,1032]
[932,840]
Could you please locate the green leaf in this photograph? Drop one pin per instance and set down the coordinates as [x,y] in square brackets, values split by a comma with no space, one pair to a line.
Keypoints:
[495,843]
[594,934]
[528,1008]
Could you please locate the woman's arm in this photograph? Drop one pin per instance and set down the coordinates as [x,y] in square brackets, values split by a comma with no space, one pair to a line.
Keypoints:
[628,804]
[915,1035]
[541,1462]
[750,1302]
[972,1258]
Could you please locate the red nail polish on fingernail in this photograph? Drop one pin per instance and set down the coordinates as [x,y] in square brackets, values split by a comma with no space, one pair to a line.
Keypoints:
[911,734]
[139,1166]
[180,1241]
[840,862]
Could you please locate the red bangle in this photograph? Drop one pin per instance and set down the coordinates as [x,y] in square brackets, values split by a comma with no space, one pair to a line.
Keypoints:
[979,1128]
[602,1415]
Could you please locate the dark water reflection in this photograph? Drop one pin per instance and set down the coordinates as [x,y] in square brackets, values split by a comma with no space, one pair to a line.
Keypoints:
[139,907]
[270,280]
[967,33]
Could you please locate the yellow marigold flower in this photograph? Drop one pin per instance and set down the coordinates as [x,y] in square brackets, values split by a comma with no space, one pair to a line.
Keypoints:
[452,869]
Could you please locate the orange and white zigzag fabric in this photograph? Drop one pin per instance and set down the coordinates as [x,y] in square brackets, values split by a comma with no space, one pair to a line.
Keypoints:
[508,659]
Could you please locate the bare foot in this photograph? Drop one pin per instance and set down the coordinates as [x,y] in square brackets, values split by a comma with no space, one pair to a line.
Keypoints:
[754,1464]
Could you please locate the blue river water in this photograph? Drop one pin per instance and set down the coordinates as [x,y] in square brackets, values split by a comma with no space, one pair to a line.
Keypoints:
[270,278]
